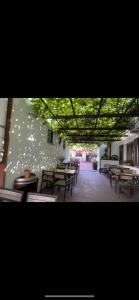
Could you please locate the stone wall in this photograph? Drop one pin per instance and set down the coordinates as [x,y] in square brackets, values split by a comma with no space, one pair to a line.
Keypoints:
[28,147]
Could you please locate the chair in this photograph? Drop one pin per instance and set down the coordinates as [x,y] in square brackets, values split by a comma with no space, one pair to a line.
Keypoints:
[35,197]
[105,169]
[76,171]
[113,176]
[125,181]
[127,171]
[61,166]
[76,166]
[48,178]
[63,181]
[135,184]
[8,195]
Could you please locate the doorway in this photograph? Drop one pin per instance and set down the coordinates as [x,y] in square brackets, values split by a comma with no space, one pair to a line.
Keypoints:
[121,154]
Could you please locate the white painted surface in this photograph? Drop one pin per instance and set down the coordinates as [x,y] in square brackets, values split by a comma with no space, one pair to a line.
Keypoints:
[3,112]
[84,156]
[67,153]
[28,146]
[108,162]
[101,151]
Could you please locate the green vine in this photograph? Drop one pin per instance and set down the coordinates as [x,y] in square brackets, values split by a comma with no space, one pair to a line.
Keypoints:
[45,107]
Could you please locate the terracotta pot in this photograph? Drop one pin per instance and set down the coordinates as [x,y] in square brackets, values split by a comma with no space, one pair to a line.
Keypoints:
[27,173]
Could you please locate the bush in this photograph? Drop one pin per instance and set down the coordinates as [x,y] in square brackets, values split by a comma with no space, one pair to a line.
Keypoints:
[129,163]
[114,157]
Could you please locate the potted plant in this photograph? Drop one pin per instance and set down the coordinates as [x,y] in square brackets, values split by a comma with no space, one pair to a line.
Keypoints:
[27,173]
[129,163]
[114,157]
[94,164]
[61,159]
[105,155]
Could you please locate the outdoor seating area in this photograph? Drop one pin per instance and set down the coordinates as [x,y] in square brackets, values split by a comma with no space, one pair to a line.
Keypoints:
[68,149]
[122,178]
[25,189]
[64,176]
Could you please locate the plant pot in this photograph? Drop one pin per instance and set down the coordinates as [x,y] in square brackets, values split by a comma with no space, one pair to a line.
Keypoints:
[27,173]
[94,166]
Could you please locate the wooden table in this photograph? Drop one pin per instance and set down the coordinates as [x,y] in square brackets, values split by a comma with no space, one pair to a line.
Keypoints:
[130,174]
[65,171]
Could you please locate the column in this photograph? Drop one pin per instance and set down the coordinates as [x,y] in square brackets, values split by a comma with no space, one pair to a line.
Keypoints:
[3,113]
[125,152]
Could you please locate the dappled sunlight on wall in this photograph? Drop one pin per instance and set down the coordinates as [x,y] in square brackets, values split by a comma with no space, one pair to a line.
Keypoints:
[28,146]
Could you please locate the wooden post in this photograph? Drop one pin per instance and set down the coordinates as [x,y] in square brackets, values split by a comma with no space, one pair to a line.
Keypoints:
[3,164]
[7,130]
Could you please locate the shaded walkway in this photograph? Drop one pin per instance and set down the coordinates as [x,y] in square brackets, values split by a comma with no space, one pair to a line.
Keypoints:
[95,187]
[86,166]
[92,187]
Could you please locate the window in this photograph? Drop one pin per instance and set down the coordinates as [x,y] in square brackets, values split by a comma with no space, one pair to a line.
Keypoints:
[50,136]
[60,140]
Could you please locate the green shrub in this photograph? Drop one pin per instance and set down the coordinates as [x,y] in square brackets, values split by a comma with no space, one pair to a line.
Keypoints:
[129,163]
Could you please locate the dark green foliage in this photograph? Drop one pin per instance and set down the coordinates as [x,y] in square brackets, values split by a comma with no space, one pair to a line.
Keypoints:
[47,108]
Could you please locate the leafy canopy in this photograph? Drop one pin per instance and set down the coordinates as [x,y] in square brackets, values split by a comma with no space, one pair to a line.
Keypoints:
[47,108]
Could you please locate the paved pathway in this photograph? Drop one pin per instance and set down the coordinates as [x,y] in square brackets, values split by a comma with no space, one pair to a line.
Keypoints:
[86,166]
[94,187]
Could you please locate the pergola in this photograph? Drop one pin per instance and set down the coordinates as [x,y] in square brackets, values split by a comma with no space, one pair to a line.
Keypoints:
[88,120]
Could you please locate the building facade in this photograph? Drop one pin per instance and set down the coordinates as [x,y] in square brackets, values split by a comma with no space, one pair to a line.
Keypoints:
[128,147]
[28,145]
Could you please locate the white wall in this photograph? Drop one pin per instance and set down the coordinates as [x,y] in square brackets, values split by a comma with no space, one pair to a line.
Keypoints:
[84,156]
[3,112]
[28,146]
[67,153]
[101,151]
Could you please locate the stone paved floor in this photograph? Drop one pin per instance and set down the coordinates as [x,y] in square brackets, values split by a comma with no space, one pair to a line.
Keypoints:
[92,187]
[95,187]
[86,166]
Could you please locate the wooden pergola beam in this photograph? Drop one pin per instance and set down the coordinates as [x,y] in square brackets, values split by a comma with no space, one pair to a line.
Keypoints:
[105,115]
[99,111]
[73,112]
[94,140]
[99,128]
[135,112]
[94,135]
[52,114]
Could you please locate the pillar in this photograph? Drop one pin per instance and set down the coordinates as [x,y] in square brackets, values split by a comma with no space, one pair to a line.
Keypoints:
[3,113]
